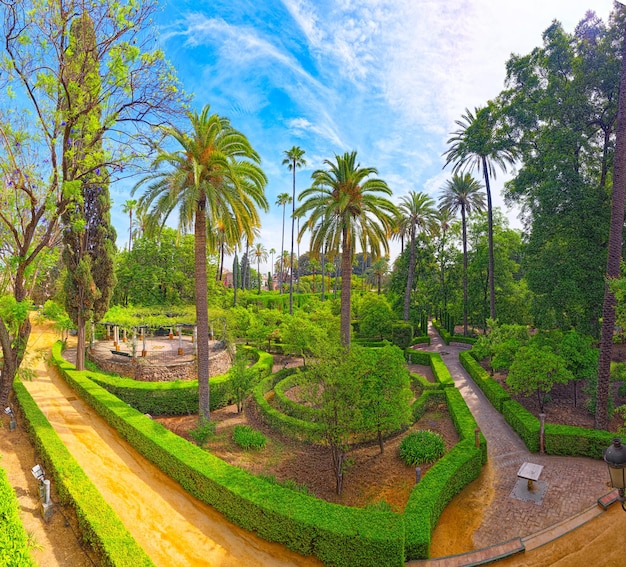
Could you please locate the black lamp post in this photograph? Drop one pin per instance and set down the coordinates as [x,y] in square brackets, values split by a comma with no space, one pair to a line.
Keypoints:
[615,458]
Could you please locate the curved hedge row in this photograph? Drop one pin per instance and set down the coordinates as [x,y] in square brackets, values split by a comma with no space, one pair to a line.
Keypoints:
[448,338]
[564,440]
[175,398]
[337,535]
[287,405]
[13,538]
[99,525]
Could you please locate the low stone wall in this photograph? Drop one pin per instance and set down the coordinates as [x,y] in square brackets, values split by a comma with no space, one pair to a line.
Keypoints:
[143,371]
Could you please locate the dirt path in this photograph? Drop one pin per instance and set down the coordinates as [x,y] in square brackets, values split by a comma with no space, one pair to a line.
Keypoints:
[172,527]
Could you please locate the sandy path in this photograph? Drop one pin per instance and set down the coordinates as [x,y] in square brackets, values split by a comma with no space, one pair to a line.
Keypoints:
[173,528]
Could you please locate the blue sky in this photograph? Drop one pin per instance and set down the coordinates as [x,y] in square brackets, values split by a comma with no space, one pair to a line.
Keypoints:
[386,78]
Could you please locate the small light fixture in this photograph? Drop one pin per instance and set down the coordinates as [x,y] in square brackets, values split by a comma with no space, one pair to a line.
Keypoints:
[38,472]
[8,411]
[615,458]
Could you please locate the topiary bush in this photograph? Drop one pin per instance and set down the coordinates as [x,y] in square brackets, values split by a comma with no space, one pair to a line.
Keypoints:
[422,447]
[248,438]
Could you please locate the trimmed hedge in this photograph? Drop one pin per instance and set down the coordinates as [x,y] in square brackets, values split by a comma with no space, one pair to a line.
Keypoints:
[448,338]
[176,398]
[576,441]
[420,340]
[13,539]
[99,525]
[434,360]
[287,405]
[401,334]
[495,393]
[336,534]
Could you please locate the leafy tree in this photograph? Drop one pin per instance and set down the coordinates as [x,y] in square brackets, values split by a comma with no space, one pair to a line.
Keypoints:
[377,317]
[345,205]
[480,143]
[215,173]
[536,370]
[294,159]
[378,270]
[463,193]
[260,253]
[303,337]
[88,237]
[386,391]
[40,159]
[581,358]
[242,379]
[418,213]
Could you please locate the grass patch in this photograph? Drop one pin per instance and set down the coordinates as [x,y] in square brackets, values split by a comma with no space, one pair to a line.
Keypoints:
[248,438]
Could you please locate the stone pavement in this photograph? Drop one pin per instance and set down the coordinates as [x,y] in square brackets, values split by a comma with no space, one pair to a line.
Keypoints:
[574,484]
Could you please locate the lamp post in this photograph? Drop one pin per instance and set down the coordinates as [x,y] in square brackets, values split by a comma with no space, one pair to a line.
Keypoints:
[615,458]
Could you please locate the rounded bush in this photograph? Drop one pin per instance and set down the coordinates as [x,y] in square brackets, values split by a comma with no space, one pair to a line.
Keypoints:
[248,438]
[422,447]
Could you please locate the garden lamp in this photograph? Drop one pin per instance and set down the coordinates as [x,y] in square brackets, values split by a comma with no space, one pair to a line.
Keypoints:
[615,458]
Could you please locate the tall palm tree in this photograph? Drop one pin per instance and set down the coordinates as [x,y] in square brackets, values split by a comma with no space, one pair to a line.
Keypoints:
[128,207]
[223,238]
[379,269]
[271,253]
[282,200]
[463,193]
[345,206]
[294,158]
[417,210]
[601,420]
[478,144]
[260,253]
[215,173]
[314,266]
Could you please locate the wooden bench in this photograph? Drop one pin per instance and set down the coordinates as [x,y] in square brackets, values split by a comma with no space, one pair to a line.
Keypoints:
[121,353]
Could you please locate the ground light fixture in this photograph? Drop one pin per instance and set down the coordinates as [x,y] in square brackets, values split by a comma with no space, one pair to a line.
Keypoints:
[615,458]
[12,422]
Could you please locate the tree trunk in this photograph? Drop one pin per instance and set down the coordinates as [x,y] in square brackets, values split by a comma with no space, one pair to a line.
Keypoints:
[80,342]
[13,351]
[380,442]
[293,226]
[346,287]
[202,310]
[614,253]
[464,227]
[492,280]
[409,278]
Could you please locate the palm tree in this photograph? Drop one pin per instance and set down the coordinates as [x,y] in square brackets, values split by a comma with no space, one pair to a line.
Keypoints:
[478,144]
[314,265]
[463,193]
[345,206]
[224,239]
[216,173]
[272,252]
[260,253]
[128,207]
[418,213]
[379,269]
[293,160]
[601,420]
[282,200]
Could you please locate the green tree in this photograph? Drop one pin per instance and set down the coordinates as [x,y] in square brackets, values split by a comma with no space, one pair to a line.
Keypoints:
[282,200]
[479,143]
[345,206]
[379,270]
[88,237]
[303,337]
[376,316]
[386,391]
[463,193]
[418,213]
[37,134]
[260,253]
[581,358]
[215,173]
[536,370]
[129,206]
[242,379]
[294,159]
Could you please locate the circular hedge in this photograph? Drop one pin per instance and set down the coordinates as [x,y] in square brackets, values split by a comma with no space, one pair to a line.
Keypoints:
[422,447]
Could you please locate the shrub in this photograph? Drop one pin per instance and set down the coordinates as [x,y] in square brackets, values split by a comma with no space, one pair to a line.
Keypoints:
[203,431]
[422,447]
[248,438]
[401,335]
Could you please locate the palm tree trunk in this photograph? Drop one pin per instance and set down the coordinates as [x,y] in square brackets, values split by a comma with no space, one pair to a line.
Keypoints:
[202,310]
[346,287]
[614,253]
[409,279]
[492,281]
[464,226]
[293,221]
[282,254]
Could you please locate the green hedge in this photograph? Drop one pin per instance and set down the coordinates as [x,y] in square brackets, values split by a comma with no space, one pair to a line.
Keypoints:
[337,535]
[14,549]
[99,525]
[287,405]
[420,340]
[494,392]
[434,360]
[576,441]
[448,338]
[176,398]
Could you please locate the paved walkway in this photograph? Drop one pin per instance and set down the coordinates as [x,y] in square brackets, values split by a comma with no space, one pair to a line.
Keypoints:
[574,484]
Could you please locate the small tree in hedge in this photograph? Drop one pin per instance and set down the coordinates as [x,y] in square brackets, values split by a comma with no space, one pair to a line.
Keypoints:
[401,335]
[386,390]
[536,370]
[581,358]
[242,379]
[376,317]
